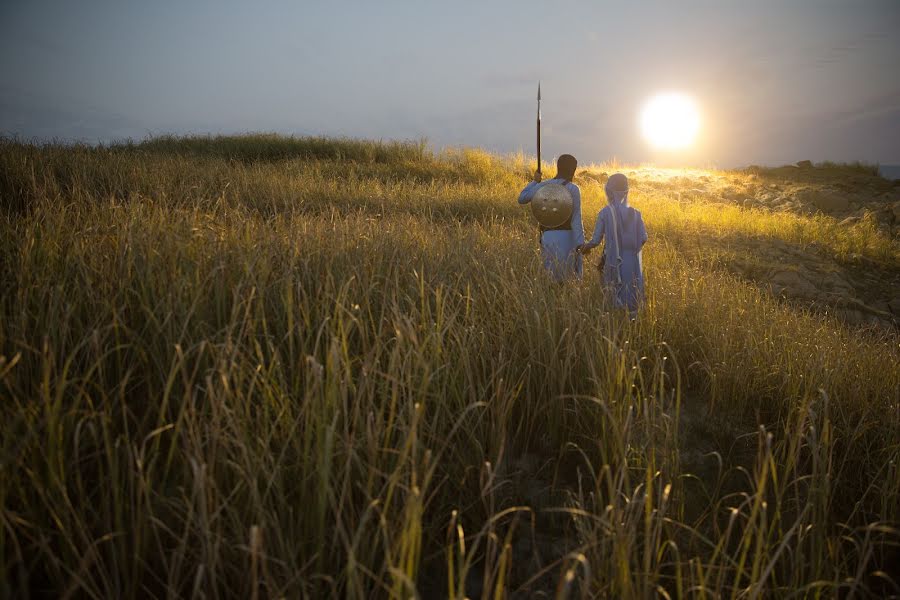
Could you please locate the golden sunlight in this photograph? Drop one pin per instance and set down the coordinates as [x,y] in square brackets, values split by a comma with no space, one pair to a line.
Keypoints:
[670,121]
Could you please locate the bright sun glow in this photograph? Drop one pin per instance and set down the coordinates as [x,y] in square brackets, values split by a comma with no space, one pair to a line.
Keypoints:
[670,121]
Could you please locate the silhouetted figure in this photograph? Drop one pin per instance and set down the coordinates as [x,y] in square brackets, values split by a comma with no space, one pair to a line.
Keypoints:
[559,244]
[623,229]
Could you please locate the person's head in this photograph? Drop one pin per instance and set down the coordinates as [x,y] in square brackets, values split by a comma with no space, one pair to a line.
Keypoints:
[565,166]
[616,188]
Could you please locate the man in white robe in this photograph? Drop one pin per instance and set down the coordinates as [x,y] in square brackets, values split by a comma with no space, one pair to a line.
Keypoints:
[559,244]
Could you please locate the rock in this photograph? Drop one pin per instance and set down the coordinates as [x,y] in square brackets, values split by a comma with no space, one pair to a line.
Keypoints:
[867,313]
[896,210]
[805,164]
[884,216]
[828,202]
[791,283]
[850,221]
[834,283]
[733,193]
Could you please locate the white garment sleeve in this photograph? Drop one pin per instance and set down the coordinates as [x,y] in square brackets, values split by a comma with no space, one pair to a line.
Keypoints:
[529,192]
[599,228]
[577,225]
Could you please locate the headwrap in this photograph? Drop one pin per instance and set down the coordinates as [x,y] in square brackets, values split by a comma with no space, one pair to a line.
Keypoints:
[617,189]
[617,197]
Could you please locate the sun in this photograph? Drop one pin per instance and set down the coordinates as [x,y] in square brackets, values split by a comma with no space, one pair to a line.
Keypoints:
[670,121]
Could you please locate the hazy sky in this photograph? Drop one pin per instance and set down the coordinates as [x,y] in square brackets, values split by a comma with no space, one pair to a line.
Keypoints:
[776,81]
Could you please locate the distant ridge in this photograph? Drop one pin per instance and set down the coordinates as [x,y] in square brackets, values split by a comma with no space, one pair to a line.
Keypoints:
[889,171]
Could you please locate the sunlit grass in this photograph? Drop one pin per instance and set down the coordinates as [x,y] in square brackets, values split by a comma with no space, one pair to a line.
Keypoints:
[303,376]
[706,219]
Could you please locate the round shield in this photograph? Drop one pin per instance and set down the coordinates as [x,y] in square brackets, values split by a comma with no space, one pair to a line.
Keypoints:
[552,205]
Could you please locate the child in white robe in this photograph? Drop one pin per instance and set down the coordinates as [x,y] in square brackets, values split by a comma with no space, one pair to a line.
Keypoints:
[623,228]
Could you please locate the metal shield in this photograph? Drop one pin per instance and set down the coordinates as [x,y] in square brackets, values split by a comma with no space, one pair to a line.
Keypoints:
[552,205]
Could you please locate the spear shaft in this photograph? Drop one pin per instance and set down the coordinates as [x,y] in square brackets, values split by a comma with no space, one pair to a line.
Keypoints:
[539,129]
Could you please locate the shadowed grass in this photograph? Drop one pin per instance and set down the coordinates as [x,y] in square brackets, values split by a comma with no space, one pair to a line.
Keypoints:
[253,147]
[305,377]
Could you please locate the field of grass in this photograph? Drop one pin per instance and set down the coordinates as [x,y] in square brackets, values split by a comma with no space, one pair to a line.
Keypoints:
[274,367]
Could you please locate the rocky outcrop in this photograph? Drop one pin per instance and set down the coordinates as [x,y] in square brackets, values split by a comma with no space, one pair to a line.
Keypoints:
[860,294]
[824,201]
[848,195]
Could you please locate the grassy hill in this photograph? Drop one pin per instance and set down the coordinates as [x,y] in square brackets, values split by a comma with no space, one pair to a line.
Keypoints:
[307,367]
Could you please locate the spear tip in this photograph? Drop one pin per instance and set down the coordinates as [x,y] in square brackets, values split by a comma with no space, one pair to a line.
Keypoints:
[539,90]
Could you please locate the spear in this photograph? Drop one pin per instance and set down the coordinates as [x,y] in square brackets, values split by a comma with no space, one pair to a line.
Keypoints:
[539,129]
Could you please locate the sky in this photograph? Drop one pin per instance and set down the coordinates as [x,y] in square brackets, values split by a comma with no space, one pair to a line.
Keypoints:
[776,81]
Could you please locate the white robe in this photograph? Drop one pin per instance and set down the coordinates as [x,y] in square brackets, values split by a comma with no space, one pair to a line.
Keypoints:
[558,246]
[624,270]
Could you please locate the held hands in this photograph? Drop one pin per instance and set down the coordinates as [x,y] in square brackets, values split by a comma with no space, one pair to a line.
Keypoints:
[584,248]
[537,176]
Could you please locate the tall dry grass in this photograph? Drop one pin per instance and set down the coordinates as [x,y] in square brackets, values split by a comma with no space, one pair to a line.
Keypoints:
[304,368]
